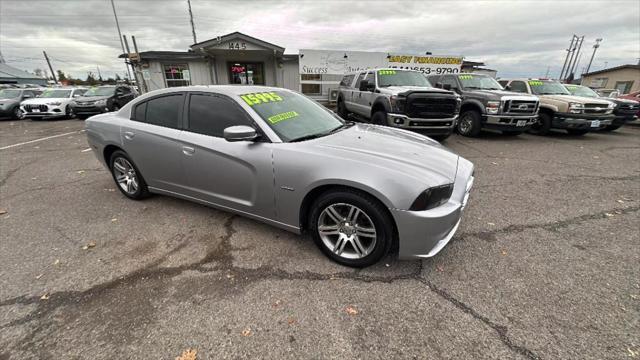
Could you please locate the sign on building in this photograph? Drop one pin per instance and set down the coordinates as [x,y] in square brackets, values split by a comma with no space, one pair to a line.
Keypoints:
[339,62]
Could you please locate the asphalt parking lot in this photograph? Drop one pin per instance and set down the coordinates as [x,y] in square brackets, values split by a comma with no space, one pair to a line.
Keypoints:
[544,266]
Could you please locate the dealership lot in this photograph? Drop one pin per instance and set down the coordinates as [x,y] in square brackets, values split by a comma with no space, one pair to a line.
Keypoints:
[544,265]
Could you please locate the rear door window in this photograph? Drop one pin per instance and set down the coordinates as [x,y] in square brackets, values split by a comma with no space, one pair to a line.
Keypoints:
[164,111]
[360,77]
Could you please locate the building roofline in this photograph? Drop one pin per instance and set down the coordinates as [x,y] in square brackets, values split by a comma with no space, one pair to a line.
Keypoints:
[626,66]
[234,34]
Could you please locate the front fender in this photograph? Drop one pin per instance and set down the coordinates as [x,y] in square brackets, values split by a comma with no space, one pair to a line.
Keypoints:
[476,104]
[549,107]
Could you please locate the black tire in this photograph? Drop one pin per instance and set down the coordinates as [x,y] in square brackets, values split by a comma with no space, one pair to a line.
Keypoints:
[375,213]
[543,126]
[511,133]
[342,109]
[577,132]
[379,118]
[142,190]
[469,124]
[68,112]
[17,114]
[611,127]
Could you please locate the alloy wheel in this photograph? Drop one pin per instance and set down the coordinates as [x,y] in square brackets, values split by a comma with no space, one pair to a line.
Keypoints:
[125,175]
[465,124]
[347,231]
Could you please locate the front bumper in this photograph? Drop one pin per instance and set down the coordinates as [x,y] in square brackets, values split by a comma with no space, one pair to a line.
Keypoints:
[89,110]
[510,122]
[51,112]
[581,121]
[423,234]
[430,126]
[622,118]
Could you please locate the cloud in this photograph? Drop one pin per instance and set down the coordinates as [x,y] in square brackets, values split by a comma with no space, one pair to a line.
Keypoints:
[518,38]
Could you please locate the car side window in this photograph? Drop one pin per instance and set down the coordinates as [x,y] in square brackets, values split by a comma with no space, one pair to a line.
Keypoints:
[139,112]
[360,76]
[449,80]
[164,111]
[210,114]
[347,80]
[518,86]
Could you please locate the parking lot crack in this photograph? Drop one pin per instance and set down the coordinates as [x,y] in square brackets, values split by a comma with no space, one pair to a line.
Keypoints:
[499,329]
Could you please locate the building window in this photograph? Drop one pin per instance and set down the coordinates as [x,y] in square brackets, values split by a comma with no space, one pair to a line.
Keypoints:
[310,89]
[599,82]
[177,75]
[246,73]
[623,86]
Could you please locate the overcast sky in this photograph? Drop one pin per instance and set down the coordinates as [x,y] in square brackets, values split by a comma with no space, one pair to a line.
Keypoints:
[517,38]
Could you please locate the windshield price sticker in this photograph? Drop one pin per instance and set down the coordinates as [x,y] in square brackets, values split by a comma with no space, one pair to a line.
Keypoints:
[465,77]
[259,98]
[386,72]
[536,83]
[283,116]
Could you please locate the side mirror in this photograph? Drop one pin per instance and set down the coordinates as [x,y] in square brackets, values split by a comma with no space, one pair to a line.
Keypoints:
[240,133]
[507,87]
[439,85]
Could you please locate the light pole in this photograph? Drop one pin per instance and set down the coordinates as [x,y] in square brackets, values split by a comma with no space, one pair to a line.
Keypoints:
[595,47]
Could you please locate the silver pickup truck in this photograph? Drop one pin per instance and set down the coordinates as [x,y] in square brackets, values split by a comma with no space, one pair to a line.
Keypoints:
[399,98]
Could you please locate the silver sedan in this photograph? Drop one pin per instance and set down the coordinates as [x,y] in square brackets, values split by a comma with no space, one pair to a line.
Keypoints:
[276,156]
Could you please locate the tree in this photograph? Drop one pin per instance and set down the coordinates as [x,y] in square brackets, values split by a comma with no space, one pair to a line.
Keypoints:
[91,79]
[61,76]
[38,72]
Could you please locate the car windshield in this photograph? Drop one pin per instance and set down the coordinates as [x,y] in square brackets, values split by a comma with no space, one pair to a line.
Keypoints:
[9,94]
[401,78]
[292,116]
[100,91]
[540,87]
[55,93]
[581,91]
[482,82]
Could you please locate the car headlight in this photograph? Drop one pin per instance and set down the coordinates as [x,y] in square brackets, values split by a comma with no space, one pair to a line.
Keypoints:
[101,102]
[55,103]
[612,105]
[493,107]
[576,108]
[432,198]
[397,104]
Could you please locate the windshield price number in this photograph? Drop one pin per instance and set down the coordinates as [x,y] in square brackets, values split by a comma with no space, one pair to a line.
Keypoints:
[465,77]
[386,72]
[259,98]
[536,83]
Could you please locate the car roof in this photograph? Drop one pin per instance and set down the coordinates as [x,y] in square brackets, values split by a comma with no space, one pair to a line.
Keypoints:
[232,90]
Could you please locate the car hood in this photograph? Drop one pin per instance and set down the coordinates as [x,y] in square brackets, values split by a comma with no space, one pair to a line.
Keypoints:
[573,98]
[400,89]
[399,150]
[615,100]
[44,100]
[91,98]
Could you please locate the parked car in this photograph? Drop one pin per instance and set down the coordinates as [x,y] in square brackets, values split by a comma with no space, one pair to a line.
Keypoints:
[632,96]
[276,156]
[486,105]
[102,99]
[52,103]
[561,110]
[399,98]
[608,93]
[10,101]
[625,110]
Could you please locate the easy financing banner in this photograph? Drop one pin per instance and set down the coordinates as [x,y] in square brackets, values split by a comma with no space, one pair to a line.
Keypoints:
[339,62]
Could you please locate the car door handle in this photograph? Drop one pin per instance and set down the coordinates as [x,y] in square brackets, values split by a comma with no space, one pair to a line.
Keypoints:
[188,150]
[129,135]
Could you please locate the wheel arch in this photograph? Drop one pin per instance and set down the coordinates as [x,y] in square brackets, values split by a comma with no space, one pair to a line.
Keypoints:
[313,194]
[108,151]
[472,105]
[380,105]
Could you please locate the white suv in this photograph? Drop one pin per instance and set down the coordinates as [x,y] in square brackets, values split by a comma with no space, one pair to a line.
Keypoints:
[53,102]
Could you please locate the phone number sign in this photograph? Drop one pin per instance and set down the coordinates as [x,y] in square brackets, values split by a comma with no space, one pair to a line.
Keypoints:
[427,64]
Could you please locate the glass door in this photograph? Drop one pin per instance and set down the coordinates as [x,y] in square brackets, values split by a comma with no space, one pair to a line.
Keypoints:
[246,73]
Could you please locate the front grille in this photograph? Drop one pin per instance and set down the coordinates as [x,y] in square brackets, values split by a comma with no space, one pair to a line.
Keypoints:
[31,107]
[85,103]
[629,107]
[595,109]
[430,106]
[520,106]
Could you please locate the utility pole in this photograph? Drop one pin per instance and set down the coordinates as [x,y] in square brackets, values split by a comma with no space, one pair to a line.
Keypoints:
[99,74]
[143,84]
[53,74]
[120,36]
[193,27]
[595,47]
[566,58]
[573,52]
[575,60]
